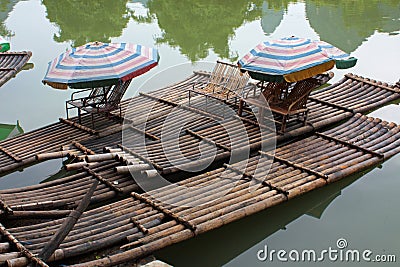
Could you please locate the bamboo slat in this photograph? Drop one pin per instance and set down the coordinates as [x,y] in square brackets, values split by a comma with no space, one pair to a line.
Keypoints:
[11,63]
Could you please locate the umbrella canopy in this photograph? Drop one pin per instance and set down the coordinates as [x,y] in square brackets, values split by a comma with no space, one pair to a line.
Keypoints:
[99,64]
[293,59]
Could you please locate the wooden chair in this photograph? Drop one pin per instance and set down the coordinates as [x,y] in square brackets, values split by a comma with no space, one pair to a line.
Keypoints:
[295,103]
[217,78]
[100,100]
[275,94]
[234,85]
[226,81]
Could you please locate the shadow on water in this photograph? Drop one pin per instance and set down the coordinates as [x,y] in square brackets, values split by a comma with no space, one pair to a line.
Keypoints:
[219,246]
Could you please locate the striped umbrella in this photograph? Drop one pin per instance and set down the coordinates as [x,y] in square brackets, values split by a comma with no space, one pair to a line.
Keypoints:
[293,59]
[99,64]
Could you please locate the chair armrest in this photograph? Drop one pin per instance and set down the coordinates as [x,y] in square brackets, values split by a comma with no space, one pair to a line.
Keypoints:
[78,92]
[297,100]
[196,84]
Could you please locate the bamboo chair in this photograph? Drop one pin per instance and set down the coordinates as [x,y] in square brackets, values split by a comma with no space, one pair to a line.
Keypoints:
[295,103]
[234,86]
[217,78]
[226,82]
[274,92]
[104,102]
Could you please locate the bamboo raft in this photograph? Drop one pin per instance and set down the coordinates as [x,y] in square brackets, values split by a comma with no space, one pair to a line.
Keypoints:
[142,223]
[328,106]
[82,144]
[11,63]
[101,162]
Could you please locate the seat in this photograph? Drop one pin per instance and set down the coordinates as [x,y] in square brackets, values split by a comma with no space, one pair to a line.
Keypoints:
[99,100]
[217,78]
[226,82]
[295,103]
[277,96]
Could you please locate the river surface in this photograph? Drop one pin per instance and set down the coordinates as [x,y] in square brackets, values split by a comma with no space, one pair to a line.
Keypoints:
[362,209]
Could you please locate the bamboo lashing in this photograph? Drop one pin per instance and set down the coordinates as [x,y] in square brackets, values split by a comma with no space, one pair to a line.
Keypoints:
[195,110]
[331,138]
[240,172]
[102,180]
[292,164]
[146,133]
[207,140]
[10,154]
[327,103]
[83,148]
[21,248]
[137,224]
[364,80]
[164,211]
[5,207]
[149,161]
[79,126]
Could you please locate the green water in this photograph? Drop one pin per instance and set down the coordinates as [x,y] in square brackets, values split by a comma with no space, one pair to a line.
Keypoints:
[362,209]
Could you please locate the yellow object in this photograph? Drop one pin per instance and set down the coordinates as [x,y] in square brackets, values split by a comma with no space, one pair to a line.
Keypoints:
[310,72]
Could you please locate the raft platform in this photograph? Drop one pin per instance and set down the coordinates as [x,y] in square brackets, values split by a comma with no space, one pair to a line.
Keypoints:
[136,224]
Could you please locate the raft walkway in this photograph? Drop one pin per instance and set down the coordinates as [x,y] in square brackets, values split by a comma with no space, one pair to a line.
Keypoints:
[143,223]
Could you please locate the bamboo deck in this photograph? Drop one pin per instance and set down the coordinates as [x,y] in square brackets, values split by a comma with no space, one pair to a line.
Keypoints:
[138,224]
[328,106]
[45,143]
[11,63]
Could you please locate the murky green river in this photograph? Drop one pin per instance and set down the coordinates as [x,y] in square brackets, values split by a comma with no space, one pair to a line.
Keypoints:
[362,210]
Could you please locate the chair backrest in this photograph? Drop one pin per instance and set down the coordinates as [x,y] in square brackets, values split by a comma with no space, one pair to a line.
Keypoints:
[97,96]
[236,82]
[219,76]
[273,90]
[115,95]
[298,96]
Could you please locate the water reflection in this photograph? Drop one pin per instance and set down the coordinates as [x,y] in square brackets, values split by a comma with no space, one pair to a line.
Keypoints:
[5,8]
[272,15]
[196,26]
[80,22]
[346,24]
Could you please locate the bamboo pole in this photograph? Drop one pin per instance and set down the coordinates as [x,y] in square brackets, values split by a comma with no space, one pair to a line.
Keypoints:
[21,248]
[8,256]
[51,155]
[67,225]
